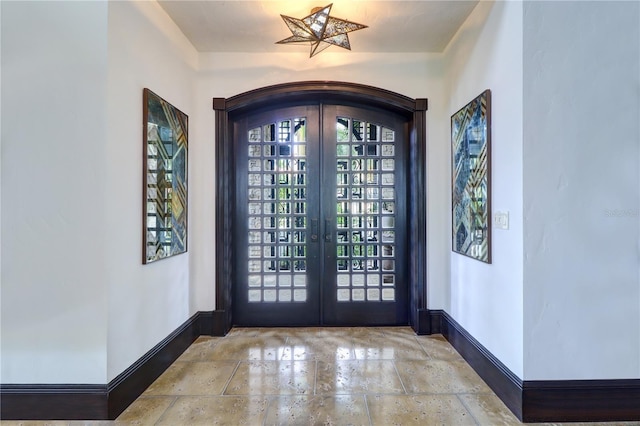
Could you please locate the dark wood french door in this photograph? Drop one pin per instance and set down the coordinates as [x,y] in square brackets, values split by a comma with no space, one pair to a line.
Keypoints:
[320,234]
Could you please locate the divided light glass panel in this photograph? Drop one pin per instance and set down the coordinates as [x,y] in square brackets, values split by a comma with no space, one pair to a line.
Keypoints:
[277,197]
[365,212]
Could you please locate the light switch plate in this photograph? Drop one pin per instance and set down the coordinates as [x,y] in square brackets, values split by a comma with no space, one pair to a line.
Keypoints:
[501,220]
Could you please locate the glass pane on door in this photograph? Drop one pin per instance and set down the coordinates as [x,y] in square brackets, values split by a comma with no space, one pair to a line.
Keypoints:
[365,201]
[277,212]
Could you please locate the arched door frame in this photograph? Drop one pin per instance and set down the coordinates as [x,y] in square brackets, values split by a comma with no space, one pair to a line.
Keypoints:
[229,109]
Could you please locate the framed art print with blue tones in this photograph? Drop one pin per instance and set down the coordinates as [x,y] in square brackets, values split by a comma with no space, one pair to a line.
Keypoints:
[471,178]
[164,210]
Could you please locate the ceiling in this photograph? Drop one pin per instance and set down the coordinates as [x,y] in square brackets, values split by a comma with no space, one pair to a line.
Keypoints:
[256,26]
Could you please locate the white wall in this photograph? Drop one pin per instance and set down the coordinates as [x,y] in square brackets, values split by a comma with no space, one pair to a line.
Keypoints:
[79,307]
[1,196]
[146,302]
[120,307]
[54,290]
[487,299]
[77,304]
[582,190]
[229,74]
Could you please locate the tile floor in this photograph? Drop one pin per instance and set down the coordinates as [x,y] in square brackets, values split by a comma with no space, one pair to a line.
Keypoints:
[316,376]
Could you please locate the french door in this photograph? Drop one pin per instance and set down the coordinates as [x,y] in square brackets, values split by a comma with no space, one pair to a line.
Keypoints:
[321,227]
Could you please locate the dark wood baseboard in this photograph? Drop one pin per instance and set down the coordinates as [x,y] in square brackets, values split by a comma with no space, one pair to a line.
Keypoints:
[221,323]
[581,401]
[435,318]
[423,322]
[98,402]
[207,323]
[53,402]
[130,384]
[506,385]
[544,401]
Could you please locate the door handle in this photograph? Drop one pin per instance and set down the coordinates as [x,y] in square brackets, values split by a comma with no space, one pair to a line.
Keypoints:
[328,232]
[314,230]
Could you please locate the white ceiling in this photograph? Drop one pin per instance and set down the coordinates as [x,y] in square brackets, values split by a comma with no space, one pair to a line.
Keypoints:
[256,26]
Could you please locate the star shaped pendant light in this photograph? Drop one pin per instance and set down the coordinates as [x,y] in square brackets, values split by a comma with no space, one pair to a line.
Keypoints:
[320,30]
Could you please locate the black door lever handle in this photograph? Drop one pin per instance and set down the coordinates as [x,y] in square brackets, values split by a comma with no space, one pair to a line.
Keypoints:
[327,230]
[314,230]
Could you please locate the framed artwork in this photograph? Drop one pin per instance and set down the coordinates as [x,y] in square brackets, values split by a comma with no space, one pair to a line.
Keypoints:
[164,188]
[471,178]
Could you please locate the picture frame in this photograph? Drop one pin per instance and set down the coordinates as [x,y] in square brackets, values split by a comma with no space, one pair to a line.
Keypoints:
[165,175]
[471,178]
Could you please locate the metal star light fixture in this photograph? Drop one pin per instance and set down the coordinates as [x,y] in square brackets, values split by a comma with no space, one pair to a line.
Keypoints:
[320,30]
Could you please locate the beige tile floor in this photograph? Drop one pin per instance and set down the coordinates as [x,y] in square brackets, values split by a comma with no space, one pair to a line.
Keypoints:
[316,376]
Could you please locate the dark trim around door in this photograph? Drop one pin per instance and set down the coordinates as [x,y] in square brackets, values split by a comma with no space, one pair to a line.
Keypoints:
[300,93]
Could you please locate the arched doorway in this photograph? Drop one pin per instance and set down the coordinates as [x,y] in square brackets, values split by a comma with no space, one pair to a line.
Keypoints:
[321,215]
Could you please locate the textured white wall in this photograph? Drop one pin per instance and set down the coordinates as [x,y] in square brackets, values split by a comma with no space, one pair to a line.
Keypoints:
[1,381]
[123,308]
[146,302]
[228,74]
[487,300]
[582,190]
[74,292]
[54,288]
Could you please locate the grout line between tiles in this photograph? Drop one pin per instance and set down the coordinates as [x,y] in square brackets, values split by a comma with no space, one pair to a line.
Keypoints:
[366,407]
[286,345]
[164,413]
[322,395]
[468,410]
[266,412]
[429,357]
[395,367]
[226,385]
[315,379]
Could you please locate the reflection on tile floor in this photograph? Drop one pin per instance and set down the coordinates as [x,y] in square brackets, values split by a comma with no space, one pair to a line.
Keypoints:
[316,376]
